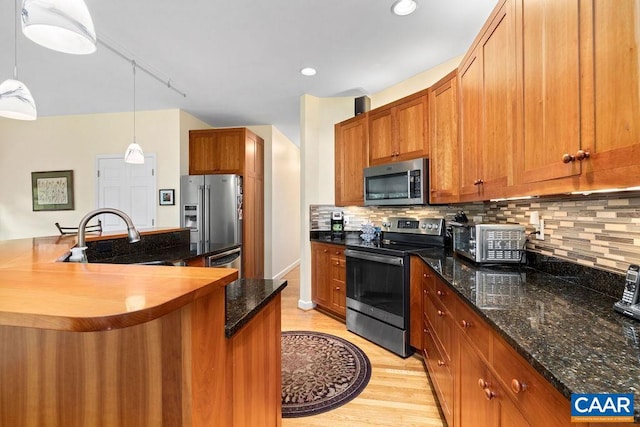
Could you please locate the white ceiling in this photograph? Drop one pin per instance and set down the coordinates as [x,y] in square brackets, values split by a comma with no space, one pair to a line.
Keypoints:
[239,61]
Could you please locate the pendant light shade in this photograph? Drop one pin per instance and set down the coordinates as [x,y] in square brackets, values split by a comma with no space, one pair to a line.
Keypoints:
[134,154]
[62,25]
[16,101]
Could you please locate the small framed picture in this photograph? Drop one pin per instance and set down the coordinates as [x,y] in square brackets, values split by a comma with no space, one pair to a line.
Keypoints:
[52,191]
[167,197]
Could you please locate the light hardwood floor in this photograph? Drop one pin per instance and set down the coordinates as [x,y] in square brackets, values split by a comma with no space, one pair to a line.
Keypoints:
[398,394]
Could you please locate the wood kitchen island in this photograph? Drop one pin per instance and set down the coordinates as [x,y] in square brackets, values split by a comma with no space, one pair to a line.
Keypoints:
[125,345]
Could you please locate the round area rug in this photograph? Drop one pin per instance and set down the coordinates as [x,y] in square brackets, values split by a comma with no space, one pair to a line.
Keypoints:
[320,372]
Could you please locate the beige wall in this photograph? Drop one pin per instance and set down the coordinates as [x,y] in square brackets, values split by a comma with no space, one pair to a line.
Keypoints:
[72,142]
[317,119]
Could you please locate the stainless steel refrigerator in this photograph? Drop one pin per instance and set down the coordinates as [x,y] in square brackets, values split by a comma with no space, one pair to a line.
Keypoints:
[211,206]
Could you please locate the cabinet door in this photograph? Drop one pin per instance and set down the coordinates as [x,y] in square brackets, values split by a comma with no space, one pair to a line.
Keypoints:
[320,273]
[471,117]
[499,63]
[611,59]
[216,151]
[351,157]
[254,155]
[550,32]
[483,401]
[444,179]
[382,148]
[410,124]
[475,410]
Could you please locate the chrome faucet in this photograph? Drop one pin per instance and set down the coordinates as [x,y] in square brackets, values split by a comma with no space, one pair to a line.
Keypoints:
[132,233]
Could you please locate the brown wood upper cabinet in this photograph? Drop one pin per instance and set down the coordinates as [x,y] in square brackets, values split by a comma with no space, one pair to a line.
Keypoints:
[582,97]
[236,151]
[214,151]
[489,108]
[444,178]
[398,131]
[550,34]
[351,157]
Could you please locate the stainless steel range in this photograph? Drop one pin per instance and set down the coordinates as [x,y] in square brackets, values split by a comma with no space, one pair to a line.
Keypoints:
[378,280]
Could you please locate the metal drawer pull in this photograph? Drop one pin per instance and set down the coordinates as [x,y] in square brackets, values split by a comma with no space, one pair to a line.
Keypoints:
[440,293]
[482,383]
[441,363]
[517,386]
[465,324]
[440,313]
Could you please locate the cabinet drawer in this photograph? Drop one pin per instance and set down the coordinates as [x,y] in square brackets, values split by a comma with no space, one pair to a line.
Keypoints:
[475,329]
[538,400]
[440,373]
[442,323]
[338,262]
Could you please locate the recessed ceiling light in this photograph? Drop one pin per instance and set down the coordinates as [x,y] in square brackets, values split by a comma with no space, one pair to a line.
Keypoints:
[308,71]
[404,7]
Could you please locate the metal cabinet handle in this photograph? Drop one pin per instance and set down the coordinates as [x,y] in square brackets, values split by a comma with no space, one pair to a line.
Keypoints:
[482,383]
[440,313]
[465,324]
[478,182]
[568,158]
[440,293]
[441,363]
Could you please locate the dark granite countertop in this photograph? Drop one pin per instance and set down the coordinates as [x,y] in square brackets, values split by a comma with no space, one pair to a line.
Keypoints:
[245,298]
[569,333]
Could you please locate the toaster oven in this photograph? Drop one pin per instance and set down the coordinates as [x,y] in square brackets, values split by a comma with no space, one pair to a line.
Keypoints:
[490,243]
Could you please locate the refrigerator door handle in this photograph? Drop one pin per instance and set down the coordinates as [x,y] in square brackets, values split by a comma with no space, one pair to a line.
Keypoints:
[207,219]
[201,219]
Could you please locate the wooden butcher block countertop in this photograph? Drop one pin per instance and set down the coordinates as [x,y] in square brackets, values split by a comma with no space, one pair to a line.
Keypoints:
[37,291]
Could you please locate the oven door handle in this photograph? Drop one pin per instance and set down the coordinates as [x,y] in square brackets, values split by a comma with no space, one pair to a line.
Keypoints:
[385,259]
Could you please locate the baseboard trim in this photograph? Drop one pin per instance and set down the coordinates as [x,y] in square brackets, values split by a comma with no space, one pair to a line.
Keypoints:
[305,305]
[286,270]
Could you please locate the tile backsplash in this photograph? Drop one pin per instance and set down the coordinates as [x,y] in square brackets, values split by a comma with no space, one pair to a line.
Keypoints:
[601,231]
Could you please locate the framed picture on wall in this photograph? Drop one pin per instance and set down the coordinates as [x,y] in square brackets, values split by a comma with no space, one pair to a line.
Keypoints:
[52,190]
[167,197]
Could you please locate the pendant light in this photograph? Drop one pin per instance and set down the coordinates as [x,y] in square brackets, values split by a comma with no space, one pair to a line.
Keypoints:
[16,101]
[62,25]
[134,154]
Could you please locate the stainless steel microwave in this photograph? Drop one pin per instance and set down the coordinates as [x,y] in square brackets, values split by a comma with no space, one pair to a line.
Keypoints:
[398,183]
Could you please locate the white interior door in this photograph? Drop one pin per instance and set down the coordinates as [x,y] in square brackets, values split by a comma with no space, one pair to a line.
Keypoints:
[130,188]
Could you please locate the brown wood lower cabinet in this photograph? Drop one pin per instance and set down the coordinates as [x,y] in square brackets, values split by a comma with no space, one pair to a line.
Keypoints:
[256,358]
[479,379]
[328,277]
